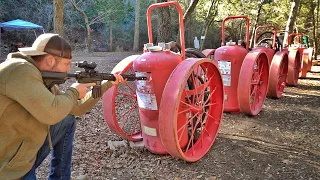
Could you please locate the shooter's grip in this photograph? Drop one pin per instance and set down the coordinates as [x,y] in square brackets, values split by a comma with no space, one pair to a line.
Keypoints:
[96,91]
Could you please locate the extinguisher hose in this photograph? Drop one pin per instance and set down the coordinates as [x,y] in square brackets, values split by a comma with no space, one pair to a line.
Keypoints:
[195,53]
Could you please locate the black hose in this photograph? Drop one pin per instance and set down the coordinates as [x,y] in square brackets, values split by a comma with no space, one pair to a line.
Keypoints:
[195,53]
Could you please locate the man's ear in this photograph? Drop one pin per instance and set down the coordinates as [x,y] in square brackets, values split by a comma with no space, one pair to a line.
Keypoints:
[50,61]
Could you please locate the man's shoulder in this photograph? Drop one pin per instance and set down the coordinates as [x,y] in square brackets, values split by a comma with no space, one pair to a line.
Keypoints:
[17,66]
[16,62]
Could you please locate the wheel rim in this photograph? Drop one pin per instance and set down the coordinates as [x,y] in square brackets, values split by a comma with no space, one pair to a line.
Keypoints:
[189,126]
[120,105]
[294,67]
[278,74]
[310,59]
[282,76]
[253,83]
[258,84]
[305,63]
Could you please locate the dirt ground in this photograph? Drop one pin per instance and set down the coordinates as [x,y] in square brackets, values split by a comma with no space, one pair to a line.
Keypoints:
[282,142]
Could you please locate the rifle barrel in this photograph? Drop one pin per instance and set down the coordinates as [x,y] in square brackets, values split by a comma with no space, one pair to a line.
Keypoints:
[128,77]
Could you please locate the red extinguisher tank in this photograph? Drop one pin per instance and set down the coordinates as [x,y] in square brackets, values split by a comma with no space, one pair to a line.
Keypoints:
[230,59]
[156,65]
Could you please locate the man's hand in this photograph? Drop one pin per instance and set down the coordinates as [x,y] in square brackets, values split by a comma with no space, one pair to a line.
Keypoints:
[82,88]
[119,79]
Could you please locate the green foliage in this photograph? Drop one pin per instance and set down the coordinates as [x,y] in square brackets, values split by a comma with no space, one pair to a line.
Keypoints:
[121,14]
[113,10]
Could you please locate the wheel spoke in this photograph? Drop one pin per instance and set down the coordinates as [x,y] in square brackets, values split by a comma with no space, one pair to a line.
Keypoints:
[189,120]
[254,89]
[123,117]
[211,104]
[128,111]
[126,94]
[261,70]
[210,95]
[256,99]
[130,88]
[124,101]
[189,105]
[184,111]
[217,121]
[193,128]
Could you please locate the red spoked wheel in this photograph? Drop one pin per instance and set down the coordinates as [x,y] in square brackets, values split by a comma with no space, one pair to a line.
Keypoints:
[293,67]
[120,106]
[191,109]
[311,53]
[305,63]
[278,74]
[253,82]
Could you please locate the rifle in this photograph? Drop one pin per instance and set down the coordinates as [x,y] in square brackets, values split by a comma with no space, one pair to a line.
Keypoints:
[89,75]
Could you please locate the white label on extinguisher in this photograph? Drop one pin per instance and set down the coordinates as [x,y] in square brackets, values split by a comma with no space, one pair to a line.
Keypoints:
[225,67]
[149,131]
[147,101]
[226,80]
[140,74]
[140,85]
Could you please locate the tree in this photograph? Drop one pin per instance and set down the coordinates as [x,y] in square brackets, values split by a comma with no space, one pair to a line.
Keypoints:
[164,23]
[189,11]
[58,17]
[113,12]
[210,16]
[86,20]
[136,27]
[260,5]
[292,18]
[314,25]
[187,15]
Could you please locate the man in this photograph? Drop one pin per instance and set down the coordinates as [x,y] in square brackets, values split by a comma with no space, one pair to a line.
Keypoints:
[35,121]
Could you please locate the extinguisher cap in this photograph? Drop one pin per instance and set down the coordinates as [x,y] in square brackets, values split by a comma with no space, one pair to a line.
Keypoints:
[155,48]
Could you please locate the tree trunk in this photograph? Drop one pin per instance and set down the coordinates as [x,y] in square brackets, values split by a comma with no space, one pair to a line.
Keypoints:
[136,27]
[208,21]
[187,15]
[255,25]
[110,36]
[318,6]
[88,34]
[164,24]
[292,19]
[190,10]
[58,17]
[86,20]
[317,25]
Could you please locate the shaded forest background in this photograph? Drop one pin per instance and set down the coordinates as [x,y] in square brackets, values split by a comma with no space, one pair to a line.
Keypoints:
[120,25]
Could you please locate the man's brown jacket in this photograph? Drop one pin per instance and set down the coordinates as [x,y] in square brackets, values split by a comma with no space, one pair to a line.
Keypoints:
[27,107]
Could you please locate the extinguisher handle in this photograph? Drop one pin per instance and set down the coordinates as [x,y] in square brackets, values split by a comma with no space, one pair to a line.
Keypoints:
[247,28]
[181,25]
[274,36]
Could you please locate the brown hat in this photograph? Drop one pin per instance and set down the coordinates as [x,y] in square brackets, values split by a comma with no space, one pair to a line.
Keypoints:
[49,44]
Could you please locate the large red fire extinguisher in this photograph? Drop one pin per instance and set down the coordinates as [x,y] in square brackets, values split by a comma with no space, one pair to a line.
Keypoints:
[156,65]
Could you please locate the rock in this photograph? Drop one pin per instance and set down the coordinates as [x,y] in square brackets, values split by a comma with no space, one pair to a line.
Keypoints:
[136,145]
[113,145]
[200,176]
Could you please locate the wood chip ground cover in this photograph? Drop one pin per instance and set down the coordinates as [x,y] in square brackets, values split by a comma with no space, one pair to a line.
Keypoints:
[282,142]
